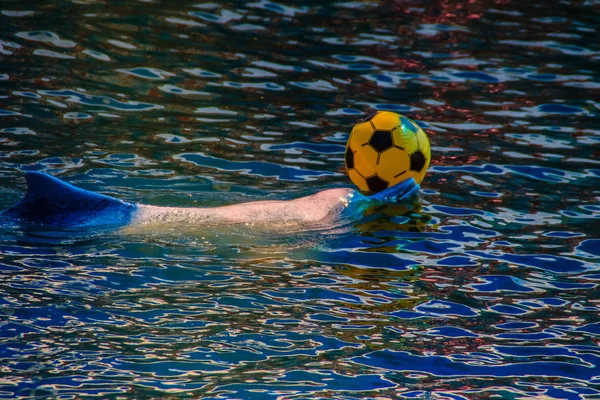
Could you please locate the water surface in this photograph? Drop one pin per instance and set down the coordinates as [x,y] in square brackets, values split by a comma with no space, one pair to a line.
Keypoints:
[486,287]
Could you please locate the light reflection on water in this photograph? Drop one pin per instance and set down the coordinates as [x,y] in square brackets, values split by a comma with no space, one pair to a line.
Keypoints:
[487,287]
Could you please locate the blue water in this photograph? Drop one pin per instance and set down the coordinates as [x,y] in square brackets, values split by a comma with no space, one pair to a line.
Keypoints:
[486,287]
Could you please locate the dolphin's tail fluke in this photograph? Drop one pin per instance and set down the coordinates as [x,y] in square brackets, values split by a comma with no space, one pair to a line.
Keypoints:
[50,201]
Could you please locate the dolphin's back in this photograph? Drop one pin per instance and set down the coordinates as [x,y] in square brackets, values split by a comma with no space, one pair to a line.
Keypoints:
[50,201]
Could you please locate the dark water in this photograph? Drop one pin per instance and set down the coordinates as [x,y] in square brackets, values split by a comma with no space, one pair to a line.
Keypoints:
[485,288]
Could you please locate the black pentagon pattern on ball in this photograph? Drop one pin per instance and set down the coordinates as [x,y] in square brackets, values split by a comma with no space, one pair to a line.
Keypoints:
[381,140]
[417,161]
[376,184]
[349,158]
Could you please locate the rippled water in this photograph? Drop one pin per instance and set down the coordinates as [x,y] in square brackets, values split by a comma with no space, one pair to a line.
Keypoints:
[485,287]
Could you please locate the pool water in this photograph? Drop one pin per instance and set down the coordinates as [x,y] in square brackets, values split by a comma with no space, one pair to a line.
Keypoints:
[486,287]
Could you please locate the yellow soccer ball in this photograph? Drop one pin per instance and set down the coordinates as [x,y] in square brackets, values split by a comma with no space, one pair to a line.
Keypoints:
[386,149]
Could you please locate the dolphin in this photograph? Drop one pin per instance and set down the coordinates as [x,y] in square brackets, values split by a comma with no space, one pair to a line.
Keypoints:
[52,202]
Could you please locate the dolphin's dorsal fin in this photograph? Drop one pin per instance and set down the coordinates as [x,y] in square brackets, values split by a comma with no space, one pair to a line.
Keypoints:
[50,201]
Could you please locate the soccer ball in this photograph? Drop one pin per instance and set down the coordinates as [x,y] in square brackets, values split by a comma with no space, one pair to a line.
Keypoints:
[385,149]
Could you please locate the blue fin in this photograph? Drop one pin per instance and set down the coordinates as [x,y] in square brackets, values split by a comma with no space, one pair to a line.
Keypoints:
[50,201]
